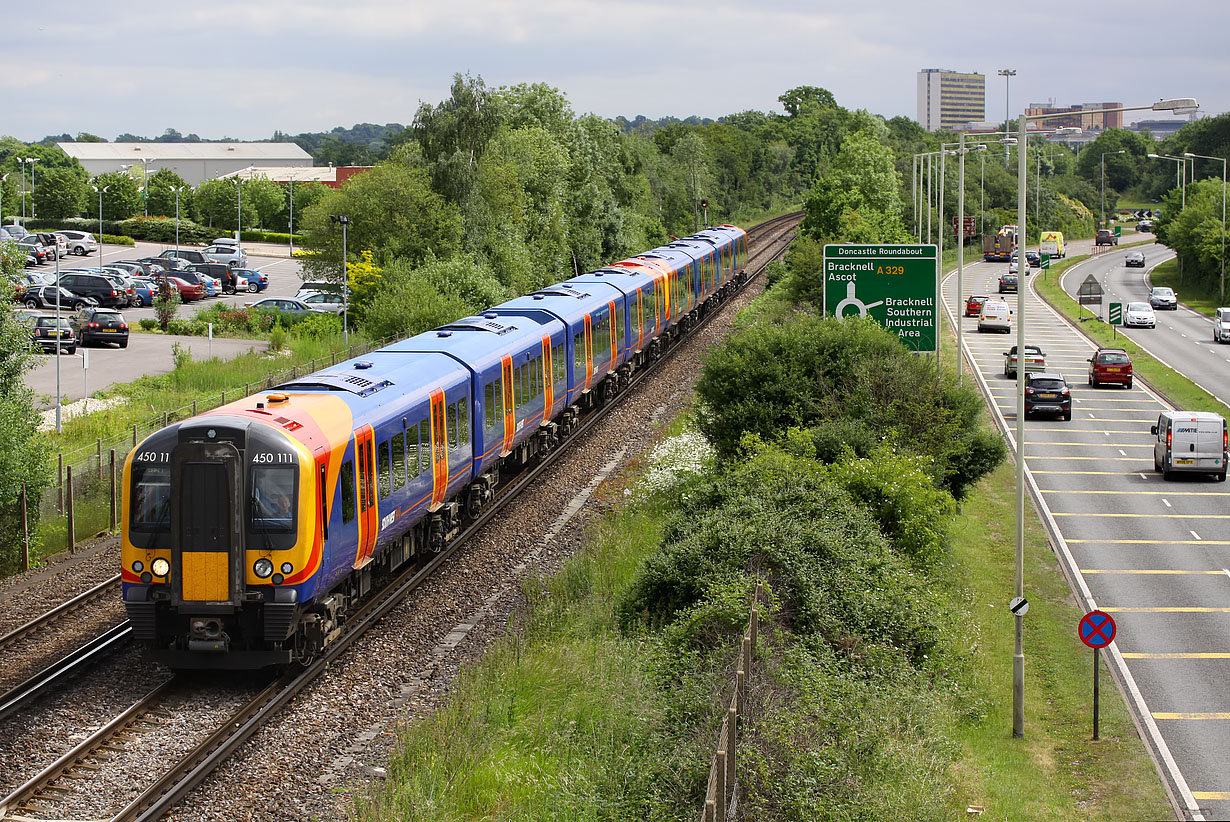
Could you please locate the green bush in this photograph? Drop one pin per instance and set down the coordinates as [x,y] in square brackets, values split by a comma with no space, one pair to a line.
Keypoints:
[268,237]
[112,239]
[148,323]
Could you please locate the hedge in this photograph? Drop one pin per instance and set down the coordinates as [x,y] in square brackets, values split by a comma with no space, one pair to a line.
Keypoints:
[150,229]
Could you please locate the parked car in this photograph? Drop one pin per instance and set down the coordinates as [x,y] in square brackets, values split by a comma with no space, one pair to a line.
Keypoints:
[973,305]
[44,296]
[1110,365]
[100,325]
[107,293]
[187,291]
[141,268]
[1035,360]
[326,302]
[80,242]
[257,280]
[57,242]
[1106,237]
[1161,297]
[1134,259]
[1139,315]
[51,335]
[188,255]
[1047,391]
[34,247]
[145,290]
[221,273]
[285,305]
[1190,441]
[227,254]
[14,231]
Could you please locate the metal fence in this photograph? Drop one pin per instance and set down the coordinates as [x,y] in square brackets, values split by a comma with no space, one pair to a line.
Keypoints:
[83,498]
[721,794]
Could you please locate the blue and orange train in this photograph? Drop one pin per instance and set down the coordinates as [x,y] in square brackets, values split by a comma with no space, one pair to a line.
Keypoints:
[249,530]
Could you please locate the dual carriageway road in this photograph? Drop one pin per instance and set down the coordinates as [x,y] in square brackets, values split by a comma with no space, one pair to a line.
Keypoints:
[1153,554]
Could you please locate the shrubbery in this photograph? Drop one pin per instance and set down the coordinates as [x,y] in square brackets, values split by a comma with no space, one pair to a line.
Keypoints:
[149,229]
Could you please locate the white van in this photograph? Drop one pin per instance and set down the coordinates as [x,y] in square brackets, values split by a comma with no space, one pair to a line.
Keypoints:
[995,316]
[1221,325]
[1190,441]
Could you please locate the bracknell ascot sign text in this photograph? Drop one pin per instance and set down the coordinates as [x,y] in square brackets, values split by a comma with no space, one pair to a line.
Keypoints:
[895,285]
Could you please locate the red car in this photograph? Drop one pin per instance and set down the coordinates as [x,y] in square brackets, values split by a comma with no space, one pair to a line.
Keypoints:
[1110,365]
[187,291]
[973,306]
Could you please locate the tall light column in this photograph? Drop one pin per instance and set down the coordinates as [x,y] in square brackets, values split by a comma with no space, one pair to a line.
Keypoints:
[1180,173]
[1103,164]
[344,221]
[177,190]
[100,231]
[1007,74]
[3,177]
[32,161]
[1223,215]
[145,161]
[58,346]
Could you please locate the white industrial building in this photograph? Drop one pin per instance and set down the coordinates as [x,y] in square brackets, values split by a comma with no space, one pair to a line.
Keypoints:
[194,162]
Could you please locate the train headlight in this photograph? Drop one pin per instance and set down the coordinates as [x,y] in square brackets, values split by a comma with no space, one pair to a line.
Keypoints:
[160,567]
[138,567]
[263,567]
[287,568]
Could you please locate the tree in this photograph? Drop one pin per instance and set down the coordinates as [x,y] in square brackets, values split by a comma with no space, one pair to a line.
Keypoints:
[454,134]
[861,192]
[121,200]
[796,99]
[166,302]
[162,196]
[264,197]
[692,155]
[60,194]
[217,203]
[23,453]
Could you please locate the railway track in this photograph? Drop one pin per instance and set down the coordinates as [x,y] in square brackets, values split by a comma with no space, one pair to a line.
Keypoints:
[43,793]
[106,588]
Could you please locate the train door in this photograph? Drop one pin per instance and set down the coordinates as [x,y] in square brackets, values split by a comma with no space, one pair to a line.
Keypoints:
[368,518]
[207,555]
[439,450]
[510,413]
[548,380]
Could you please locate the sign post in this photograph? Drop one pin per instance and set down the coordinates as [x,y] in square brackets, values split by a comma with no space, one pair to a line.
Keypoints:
[895,285]
[1090,294]
[1097,630]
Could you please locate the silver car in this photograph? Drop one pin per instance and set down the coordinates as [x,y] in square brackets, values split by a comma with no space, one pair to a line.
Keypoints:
[325,302]
[1161,298]
[80,242]
[231,255]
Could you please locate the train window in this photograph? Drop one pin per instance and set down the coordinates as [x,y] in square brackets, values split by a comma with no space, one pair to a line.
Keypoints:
[489,406]
[452,426]
[382,462]
[463,421]
[151,499]
[322,499]
[347,474]
[399,461]
[535,377]
[499,402]
[619,333]
[525,384]
[516,386]
[412,451]
[365,457]
[271,505]
[424,446]
[557,360]
[578,353]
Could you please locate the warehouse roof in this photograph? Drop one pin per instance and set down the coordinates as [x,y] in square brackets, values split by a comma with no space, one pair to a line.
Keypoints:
[272,153]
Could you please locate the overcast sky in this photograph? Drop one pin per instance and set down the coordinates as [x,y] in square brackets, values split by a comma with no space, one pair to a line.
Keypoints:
[243,69]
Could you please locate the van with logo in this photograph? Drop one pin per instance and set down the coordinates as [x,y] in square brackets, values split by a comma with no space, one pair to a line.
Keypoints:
[1221,325]
[995,316]
[1051,243]
[1190,441]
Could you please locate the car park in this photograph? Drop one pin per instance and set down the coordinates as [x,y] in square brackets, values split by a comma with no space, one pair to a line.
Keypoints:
[1110,365]
[1139,315]
[1163,298]
[1134,259]
[1047,391]
[1190,441]
[1007,283]
[51,334]
[1106,237]
[100,325]
[1035,360]
[995,316]
[257,281]
[973,305]
[44,296]
[79,242]
[1221,325]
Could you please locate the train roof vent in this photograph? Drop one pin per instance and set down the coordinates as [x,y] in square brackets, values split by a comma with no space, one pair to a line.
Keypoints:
[335,381]
[289,425]
[487,322]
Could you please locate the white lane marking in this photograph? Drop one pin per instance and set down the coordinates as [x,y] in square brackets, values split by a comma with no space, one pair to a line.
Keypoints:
[1167,502]
[1142,475]
[1226,571]
[1194,534]
[1107,433]
[1121,451]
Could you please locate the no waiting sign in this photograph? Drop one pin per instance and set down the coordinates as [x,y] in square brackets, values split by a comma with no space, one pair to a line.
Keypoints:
[895,285]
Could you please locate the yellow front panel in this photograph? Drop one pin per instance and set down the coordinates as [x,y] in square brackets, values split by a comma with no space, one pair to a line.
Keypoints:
[205,576]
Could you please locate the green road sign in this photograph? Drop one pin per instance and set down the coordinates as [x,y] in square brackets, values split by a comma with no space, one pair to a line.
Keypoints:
[1118,231]
[1116,314]
[895,285]
[1046,260]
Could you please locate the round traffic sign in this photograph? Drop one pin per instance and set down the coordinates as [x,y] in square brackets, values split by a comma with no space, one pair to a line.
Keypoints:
[1097,629]
[1019,606]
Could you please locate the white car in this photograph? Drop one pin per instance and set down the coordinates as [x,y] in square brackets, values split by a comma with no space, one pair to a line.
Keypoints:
[1139,315]
[325,302]
[80,242]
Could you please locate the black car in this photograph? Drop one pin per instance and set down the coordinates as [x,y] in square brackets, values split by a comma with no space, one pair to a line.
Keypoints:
[221,272]
[171,264]
[35,248]
[138,268]
[100,325]
[1047,391]
[1106,237]
[1034,260]
[105,292]
[1007,282]
[46,334]
[44,296]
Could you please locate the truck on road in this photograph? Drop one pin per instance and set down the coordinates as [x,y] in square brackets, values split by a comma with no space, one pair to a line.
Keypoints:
[998,247]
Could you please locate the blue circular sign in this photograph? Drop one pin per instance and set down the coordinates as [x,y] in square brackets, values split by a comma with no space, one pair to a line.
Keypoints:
[1097,629]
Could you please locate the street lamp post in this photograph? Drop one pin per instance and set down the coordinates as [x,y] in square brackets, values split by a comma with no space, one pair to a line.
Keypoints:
[1223,214]
[291,227]
[344,221]
[3,177]
[58,345]
[100,231]
[1180,173]
[239,206]
[145,161]
[177,190]
[1103,164]
[32,161]
[1007,74]
[1179,106]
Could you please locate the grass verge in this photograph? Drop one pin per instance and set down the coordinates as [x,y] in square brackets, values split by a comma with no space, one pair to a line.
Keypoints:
[1196,296]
